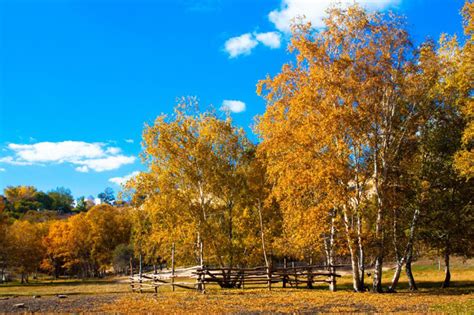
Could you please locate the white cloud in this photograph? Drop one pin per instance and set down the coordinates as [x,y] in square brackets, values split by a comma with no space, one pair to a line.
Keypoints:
[113,150]
[269,39]
[122,180]
[2,169]
[12,161]
[245,43]
[240,45]
[106,164]
[86,156]
[129,140]
[82,169]
[233,106]
[315,10]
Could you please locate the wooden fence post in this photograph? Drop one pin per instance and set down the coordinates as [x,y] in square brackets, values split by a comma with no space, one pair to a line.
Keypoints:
[172,266]
[131,273]
[285,277]
[199,280]
[309,278]
[269,276]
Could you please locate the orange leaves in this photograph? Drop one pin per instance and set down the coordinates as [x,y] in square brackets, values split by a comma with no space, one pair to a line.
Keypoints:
[86,240]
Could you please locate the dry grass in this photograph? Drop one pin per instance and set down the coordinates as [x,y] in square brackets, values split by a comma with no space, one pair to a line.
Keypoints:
[117,297]
[291,300]
[459,298]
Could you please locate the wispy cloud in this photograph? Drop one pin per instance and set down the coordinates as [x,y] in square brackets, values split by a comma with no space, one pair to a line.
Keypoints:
[269,39]
[85,156]
[315,10]
[240,45]
[129,140]
[233,106]
[245,43]
[122,180]
[2,169]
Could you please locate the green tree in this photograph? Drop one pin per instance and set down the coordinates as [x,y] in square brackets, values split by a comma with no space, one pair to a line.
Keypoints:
[45,201]
[81,204]
[107,196]
[122,255]
[62,199]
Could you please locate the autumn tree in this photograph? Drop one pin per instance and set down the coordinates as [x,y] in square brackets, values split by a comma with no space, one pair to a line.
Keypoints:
[335,124]
[3,239]
[22,199]
[407,176]
[465,76]
[58,254]
[108,228]
[17,193]
[25,248]
[84,243]
[193,191]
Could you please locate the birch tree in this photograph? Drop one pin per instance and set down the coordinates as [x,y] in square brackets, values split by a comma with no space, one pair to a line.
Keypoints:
[195,185]
[335,124]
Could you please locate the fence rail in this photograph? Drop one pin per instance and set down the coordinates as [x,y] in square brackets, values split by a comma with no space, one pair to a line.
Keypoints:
[227,277]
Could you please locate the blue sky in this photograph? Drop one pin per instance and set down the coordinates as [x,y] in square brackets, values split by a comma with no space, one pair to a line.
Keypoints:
[78,79]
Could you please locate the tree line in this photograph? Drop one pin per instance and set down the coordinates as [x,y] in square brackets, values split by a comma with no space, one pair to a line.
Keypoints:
[84,245]
[24,201]
[365,156]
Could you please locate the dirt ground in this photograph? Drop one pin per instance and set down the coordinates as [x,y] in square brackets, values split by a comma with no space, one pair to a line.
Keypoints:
[53,304]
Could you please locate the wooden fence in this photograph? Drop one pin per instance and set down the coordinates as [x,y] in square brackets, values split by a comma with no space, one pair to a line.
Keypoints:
[295,276]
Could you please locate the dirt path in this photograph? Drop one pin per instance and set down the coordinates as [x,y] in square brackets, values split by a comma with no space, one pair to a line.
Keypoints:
[72,303]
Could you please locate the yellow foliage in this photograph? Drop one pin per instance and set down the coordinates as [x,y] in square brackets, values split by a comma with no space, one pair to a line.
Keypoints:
[195,189]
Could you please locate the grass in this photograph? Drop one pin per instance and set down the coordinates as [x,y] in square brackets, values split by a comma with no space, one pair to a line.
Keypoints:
[430,297]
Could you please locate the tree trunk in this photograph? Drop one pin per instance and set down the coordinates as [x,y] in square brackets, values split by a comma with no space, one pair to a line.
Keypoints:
[262,234]
[231,236]
[379,250]
[358,287]
[329,241]
[396,275]
[447,277]
[411,280]
[379,233]
[140,266]
[408,254]
[361,253]
[377,285]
